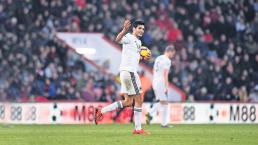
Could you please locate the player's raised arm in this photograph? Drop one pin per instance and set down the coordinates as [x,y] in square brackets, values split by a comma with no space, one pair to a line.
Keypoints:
[121,34]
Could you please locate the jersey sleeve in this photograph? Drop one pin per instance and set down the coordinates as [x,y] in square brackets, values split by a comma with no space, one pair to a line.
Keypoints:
[125,39]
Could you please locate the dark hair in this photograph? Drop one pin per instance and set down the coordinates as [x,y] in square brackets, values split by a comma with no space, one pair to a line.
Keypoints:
[137,23]
[170,48]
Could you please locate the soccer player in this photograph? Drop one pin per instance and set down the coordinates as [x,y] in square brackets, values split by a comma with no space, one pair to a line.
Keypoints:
[160,86]
[131,86]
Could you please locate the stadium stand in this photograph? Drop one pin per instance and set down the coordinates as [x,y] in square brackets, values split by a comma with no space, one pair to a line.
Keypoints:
[217,56]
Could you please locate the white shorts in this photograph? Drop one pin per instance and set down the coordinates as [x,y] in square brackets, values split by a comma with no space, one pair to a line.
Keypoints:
[130,83]
[159,91]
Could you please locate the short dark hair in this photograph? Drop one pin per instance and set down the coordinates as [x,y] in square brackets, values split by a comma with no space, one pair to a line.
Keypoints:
[137,23]
[170,48]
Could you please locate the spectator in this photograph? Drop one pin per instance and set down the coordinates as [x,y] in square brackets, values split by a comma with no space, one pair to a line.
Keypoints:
[254,94]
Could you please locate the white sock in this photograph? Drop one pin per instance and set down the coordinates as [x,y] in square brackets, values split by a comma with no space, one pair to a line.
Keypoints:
[112,107]
[165,114]
[154,109]
[137,118]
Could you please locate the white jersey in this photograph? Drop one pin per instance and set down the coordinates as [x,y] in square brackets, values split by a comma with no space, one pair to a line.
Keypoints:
[161,63]
[130,53]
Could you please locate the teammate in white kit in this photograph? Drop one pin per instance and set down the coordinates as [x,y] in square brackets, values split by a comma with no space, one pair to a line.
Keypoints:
[160,84]
[130,81]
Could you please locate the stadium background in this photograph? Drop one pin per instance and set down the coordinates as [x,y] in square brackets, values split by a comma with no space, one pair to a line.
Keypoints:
[217,58]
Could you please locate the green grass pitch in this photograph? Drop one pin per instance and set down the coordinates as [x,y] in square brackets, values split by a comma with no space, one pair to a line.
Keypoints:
[120,134]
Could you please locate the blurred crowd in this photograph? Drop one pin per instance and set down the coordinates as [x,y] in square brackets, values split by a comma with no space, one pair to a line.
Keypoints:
[216,42]
[35,66]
